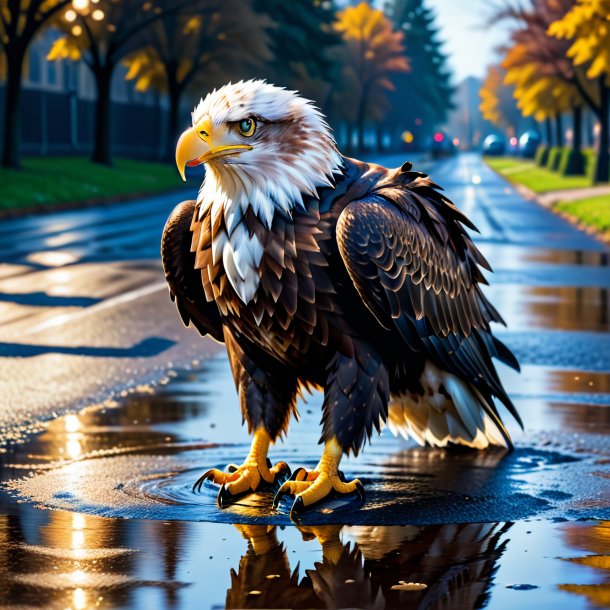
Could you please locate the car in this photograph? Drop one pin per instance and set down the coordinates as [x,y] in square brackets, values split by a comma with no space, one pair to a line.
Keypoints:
[494,145]
[528,144]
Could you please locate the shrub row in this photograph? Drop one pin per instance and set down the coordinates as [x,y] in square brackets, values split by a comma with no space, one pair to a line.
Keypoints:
[566,161]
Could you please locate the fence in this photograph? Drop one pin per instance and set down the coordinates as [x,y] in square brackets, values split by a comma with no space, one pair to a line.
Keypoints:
[55,123]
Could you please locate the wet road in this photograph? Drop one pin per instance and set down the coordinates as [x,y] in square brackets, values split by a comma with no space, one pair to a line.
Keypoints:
[85,312]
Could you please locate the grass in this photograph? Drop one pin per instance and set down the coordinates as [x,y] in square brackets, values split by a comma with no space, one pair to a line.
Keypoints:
[593,212]
[52,181]
[537,179]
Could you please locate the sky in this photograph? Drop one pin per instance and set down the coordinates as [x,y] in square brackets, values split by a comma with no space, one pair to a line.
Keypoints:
[468,41]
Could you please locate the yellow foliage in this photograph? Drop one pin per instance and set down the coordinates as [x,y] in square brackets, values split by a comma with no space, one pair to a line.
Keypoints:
[489,94]
[372,50]
[539,92]
[380,47]
[587,24]
[145,68]
[65,48]
[187,46]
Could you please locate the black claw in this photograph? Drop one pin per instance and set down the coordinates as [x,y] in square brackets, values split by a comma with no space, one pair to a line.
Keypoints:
[295,474]
[231,468]
[224,497]
[278,496]
[360,490]
[199,482]
[297,506]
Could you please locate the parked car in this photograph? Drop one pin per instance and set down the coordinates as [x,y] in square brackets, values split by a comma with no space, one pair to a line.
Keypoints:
[528,144]
[494,145]
[441,145]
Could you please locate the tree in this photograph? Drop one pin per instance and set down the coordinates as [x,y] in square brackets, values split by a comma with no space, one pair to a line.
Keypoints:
[586,27]
[220,38]
[372,51]
[302,44]
[424,93]
[20,21]
[102,34]
[497,102]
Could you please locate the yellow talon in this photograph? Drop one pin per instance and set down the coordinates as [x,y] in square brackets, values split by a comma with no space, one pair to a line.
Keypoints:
[313,486]
[248,477]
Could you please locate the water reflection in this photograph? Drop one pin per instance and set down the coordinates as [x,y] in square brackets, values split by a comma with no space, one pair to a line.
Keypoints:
[445,566]
[595,542]
[553,307]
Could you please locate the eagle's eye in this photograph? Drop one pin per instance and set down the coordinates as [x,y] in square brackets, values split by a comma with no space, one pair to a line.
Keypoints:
[247,127]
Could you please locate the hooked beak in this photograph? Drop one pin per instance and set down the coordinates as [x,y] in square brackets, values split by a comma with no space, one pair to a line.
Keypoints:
[192,150]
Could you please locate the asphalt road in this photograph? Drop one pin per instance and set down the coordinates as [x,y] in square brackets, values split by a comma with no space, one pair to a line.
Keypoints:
[85,318]
[84,313]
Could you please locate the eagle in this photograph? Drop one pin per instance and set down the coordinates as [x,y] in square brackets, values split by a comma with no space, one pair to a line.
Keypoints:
[318,271]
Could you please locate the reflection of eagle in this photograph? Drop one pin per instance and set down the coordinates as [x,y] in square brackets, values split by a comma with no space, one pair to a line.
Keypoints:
[319,270]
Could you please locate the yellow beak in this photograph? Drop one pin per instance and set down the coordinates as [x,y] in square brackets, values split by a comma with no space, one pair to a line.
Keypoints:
[191,150]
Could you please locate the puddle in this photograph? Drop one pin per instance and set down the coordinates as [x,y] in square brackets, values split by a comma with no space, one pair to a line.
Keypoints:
[132,534]
[141,460]
[57,560]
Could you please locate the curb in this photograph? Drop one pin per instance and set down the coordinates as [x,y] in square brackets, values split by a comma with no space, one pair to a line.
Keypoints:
[548,200]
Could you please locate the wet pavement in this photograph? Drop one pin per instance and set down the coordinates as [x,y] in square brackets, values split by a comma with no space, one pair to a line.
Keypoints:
[96,508]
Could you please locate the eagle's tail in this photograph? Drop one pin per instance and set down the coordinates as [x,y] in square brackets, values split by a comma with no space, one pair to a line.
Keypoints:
[452,412]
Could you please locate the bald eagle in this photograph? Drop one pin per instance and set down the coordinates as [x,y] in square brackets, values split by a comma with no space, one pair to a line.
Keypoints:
[317,270]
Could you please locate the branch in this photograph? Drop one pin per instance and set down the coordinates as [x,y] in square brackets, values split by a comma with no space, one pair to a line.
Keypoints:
[96,61]
[116,45]
[585,94]
[33,24]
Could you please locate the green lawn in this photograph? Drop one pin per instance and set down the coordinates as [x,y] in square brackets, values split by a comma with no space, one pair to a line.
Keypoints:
[593,212]
[537,179]
[60,180]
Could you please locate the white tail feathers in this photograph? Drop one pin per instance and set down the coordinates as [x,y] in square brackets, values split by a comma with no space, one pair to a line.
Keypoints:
[449,411]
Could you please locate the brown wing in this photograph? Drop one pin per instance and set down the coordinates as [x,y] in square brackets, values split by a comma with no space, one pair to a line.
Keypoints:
[185,286]
[417,270]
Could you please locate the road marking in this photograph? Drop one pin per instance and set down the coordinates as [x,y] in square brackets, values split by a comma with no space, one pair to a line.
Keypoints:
[120,299]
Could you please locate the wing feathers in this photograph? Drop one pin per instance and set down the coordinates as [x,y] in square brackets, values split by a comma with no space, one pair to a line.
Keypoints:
[412,263]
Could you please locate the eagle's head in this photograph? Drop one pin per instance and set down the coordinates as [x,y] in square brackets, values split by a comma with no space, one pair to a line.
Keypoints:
[264,147]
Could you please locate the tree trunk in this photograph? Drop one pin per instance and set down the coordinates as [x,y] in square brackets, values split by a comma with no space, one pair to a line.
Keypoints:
[602,168]
[549,132]
[101,145]
[349,136]
[577,128]
[559,129]
[174,93]
[379,137]
[589,128]
[360,121]
[360,133]
[12,128]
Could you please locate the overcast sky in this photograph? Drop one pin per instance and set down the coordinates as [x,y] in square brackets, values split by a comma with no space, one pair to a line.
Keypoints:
[468,42]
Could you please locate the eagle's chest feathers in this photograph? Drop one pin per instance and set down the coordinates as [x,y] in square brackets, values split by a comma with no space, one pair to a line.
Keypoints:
[268,280]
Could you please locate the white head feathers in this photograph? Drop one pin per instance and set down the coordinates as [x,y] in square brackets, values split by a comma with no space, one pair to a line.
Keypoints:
[293,153]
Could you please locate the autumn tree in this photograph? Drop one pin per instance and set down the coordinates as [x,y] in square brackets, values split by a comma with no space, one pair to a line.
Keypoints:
[586,26]
[372,51]
[497,103]
[102,33]
[424,93]
[540,63]
[20,21]
[302,44]
[205,48]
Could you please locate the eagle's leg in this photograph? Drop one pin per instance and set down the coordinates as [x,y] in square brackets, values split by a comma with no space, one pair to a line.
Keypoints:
[356,398]
[267,396]
[310,487]
[256,471]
